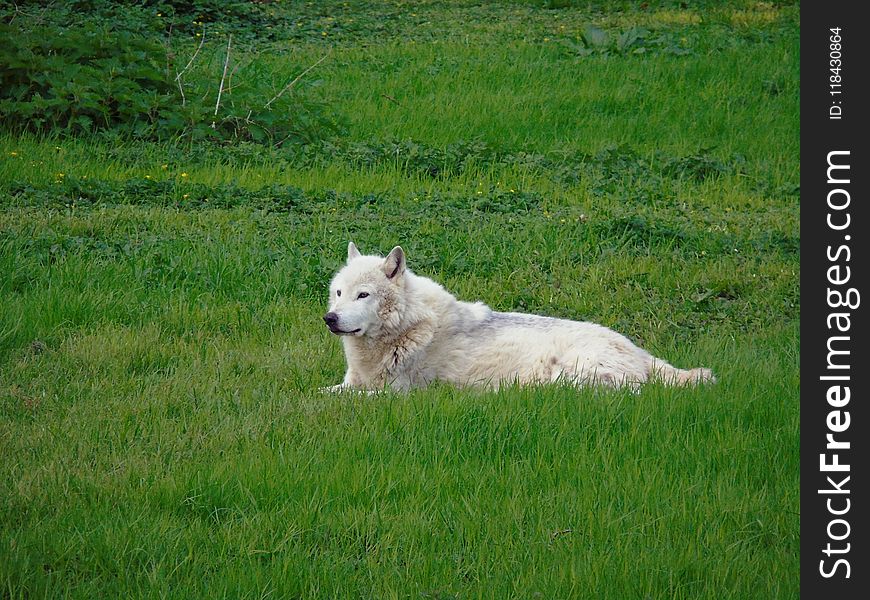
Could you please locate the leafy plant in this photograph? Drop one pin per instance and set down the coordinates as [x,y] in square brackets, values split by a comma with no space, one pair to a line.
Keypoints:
[241,18]
[99,77]
[634,40]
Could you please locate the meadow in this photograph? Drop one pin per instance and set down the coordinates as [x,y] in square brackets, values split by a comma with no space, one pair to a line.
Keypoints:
[161,343]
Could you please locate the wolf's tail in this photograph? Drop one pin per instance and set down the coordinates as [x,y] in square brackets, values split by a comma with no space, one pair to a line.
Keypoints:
[670,375]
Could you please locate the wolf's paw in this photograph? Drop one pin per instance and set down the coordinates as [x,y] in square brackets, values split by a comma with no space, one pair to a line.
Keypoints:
[342,388]
[333,389]
[701,375]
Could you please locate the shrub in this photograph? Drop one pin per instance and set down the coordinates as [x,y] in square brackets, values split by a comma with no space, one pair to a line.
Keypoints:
[242,18]
[101,76]
[80,80]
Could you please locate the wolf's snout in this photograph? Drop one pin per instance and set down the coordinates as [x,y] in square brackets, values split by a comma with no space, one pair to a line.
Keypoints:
[331,319]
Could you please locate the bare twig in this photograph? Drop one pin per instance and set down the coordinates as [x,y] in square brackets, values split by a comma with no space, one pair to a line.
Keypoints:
[169,55]
[39,18]
[298,77]
[391,99]
[224,76]
[239,65]
[289,135]
[186,67]
[230,78]
[192,58]
[181,89]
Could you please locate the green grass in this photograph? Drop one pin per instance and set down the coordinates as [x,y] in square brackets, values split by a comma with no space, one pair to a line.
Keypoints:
[161,346]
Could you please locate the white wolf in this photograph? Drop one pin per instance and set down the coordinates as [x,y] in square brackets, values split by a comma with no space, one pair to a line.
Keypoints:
[404,331]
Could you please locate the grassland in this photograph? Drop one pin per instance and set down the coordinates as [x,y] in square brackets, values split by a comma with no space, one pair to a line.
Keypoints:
[161,431]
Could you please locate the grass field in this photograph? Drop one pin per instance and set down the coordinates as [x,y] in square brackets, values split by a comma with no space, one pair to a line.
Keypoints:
[161,347]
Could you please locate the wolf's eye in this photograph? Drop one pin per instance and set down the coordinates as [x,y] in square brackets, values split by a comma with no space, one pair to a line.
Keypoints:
[338,292]
[362,295]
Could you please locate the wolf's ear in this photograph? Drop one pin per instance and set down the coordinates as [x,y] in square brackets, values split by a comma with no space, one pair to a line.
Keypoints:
[394,264]
[352,252]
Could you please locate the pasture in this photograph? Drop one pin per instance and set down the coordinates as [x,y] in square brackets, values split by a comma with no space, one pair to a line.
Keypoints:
[161,347]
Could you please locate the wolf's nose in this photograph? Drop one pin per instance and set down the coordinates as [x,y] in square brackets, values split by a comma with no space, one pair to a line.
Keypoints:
[331,319]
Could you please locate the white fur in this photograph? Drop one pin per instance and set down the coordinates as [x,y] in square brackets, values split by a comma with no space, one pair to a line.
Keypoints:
[410,331]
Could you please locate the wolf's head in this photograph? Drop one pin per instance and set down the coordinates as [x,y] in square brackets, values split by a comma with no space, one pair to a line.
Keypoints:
[364,294]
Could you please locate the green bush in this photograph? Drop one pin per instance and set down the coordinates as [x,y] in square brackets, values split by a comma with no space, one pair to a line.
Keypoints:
[240,17]
[102,76]
[81,80]
[243,18]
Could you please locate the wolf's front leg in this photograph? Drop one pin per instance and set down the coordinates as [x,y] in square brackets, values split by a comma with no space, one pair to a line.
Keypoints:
[351,380]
